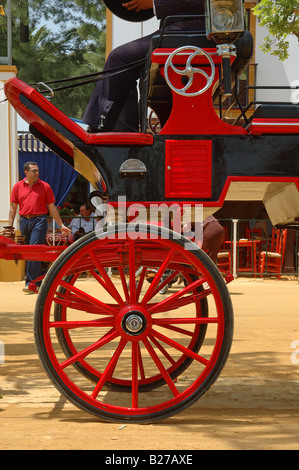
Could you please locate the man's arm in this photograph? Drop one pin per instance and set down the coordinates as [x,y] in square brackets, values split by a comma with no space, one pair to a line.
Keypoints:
[12,213]
[55,214]
[138,5]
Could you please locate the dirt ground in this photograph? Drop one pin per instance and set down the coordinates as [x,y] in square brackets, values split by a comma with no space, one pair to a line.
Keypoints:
[253,405]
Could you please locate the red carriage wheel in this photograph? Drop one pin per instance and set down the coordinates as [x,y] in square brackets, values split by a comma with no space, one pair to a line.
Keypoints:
[132,338]
[196,340]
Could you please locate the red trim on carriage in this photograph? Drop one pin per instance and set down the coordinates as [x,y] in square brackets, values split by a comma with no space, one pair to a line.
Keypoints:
[259,126]
[10,250]
[159,56]
[14,87]
[120,138]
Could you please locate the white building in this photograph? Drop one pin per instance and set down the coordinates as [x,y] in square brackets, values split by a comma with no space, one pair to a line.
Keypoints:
[8,145]
[274,72]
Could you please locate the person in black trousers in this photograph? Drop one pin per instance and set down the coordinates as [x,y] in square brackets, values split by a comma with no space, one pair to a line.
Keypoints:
[113,105]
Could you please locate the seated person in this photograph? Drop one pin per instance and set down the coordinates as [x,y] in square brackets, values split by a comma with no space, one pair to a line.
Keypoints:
[114,103]
[75,222]
[86,221]
[213,236]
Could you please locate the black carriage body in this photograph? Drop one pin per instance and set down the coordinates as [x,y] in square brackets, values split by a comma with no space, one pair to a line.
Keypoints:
[243,158]
[193,169]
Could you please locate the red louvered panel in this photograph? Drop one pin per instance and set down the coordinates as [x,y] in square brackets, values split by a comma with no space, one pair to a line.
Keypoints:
[188,168]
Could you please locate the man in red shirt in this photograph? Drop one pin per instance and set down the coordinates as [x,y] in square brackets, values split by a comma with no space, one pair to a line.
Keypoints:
[34,198]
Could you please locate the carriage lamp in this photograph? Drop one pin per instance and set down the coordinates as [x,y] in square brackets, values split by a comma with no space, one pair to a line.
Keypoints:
[224,20]
[225,23]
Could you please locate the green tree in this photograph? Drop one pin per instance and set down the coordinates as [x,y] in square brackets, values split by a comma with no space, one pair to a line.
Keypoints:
[56,40]
[281,17]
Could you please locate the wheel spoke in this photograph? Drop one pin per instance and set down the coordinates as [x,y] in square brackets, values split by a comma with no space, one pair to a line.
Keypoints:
[140,364]
[178,303]
[181,348]
[123,282]
[166,281]
[108,284]
[98,344]
[140,282]
[103,322]
[132,270]
[178,330]
[109,369]
[162,350]
[161,368]
[135,360]
[69,300]
[156,280]
[198,321]
[167,303]
[91,300]
[168,323]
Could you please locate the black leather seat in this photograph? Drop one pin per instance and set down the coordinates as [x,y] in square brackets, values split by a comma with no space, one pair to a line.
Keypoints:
[172,40]
[279,111]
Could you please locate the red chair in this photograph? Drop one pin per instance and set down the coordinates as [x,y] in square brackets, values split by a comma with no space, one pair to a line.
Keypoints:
[224,256]
[253,232]
[272,261]
[224,261]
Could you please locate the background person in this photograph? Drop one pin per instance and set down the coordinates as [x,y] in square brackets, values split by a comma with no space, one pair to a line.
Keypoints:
[34,198]
[87,222]
[213,237]
[75,222]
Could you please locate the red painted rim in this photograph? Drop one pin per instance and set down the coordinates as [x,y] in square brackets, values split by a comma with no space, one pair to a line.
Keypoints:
[137,326]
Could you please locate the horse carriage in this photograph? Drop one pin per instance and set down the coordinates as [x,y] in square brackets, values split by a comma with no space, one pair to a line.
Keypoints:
[120,349]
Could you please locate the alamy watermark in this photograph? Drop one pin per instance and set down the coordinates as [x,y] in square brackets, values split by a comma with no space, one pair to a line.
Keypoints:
[178,219]
[2,353]
[295,353]
[295,92]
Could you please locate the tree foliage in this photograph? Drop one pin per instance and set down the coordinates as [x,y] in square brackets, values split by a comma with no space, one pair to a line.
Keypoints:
[281,17]
[56,40]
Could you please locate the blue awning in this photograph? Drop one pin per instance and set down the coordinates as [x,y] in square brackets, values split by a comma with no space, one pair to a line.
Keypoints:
[28,143]
[53,169]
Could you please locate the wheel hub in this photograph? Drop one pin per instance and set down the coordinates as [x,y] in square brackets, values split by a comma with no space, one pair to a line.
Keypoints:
[134,323]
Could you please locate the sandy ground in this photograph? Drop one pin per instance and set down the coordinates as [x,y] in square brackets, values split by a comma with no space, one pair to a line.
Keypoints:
[253,405]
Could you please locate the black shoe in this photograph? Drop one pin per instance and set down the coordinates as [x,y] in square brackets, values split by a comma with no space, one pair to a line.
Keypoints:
[91,130]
